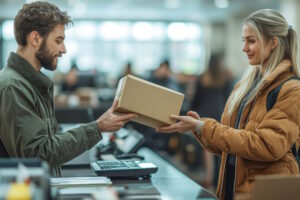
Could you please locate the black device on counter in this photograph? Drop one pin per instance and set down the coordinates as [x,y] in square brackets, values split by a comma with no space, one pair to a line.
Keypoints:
[129,141]
[123,168]
[122,144]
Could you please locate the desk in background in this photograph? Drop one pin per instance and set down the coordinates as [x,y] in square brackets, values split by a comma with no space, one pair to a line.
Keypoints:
[80,114]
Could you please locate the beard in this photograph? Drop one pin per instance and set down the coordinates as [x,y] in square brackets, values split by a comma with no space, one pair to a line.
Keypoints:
[46,59]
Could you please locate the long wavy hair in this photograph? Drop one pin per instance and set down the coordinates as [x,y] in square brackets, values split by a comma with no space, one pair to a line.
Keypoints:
[267,24]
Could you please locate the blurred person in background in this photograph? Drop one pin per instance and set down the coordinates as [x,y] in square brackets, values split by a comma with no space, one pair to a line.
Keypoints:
[70,82]
[127,70]
[252,140]
[163,76]
[28,126]
[211,92]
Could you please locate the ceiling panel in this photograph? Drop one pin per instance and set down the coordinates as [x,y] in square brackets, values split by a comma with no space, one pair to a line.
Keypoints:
[166,10]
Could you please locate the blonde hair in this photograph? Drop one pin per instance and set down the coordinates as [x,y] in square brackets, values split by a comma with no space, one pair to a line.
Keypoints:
[267,24]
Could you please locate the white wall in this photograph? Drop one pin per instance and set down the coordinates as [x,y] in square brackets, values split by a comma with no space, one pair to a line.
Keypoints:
[217,42]
[235,57]
[290,10]
[227,37]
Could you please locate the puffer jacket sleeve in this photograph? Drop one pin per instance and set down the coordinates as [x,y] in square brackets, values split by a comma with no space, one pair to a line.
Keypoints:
[206,145]
[224,120]
[270,140]
[27,135]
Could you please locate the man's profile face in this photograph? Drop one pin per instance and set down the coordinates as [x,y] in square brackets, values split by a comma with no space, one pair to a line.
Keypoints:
[51,48]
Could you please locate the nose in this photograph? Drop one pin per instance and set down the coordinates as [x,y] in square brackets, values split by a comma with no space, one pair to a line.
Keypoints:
[63,48]
[245,48]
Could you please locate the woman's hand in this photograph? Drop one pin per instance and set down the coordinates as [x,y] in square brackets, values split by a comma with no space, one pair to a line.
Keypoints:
[185,123]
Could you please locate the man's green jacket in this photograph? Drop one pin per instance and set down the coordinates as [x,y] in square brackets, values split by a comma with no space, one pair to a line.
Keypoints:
[28,127]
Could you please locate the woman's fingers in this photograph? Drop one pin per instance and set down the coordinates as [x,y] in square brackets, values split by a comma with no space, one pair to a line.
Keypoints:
[181,118]
[167,129]
[193,114]
[175,117]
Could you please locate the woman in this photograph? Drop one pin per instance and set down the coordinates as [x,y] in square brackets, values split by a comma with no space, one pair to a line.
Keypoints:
[252,140]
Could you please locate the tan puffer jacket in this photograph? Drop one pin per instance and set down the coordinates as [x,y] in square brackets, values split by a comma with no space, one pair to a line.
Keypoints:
[263,143]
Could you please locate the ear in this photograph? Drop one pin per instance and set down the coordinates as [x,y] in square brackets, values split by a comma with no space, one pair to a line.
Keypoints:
[274,42]
[35,39]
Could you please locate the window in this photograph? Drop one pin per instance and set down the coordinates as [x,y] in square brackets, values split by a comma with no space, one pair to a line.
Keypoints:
[106,46]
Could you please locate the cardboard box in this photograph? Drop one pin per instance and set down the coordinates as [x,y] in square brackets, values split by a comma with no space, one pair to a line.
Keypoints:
[275,187]
[152,102]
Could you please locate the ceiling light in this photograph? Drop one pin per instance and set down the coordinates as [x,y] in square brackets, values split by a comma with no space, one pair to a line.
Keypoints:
[142,31]
[110,30]
[177,31]
[8,30]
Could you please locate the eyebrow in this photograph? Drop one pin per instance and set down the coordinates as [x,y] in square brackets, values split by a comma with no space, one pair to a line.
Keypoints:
[60,37]
[250,36]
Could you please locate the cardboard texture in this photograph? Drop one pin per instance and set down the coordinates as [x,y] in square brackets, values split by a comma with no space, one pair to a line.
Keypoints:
[152,102]
[275,187]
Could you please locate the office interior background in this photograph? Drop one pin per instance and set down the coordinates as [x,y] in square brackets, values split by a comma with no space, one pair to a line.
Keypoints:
[108,34]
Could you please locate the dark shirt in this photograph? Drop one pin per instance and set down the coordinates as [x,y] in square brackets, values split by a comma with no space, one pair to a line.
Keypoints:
[210,101]
[231,159]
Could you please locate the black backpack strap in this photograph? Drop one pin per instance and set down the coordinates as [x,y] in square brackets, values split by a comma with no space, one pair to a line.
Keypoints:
[272,96]
[296,154]
[271,100]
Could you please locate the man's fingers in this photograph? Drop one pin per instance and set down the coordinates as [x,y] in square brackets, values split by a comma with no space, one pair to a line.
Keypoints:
[127,117]
[115,104]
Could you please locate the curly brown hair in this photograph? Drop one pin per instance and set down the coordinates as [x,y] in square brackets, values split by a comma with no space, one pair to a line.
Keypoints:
[38,16]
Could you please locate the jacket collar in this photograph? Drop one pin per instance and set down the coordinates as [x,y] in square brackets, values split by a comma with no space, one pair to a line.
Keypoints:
[283,69]
[22,66]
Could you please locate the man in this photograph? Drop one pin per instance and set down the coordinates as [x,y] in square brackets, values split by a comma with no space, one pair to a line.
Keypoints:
[28,127]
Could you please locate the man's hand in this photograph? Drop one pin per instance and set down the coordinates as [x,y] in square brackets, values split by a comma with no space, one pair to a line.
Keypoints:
[185,123]
[111,121]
